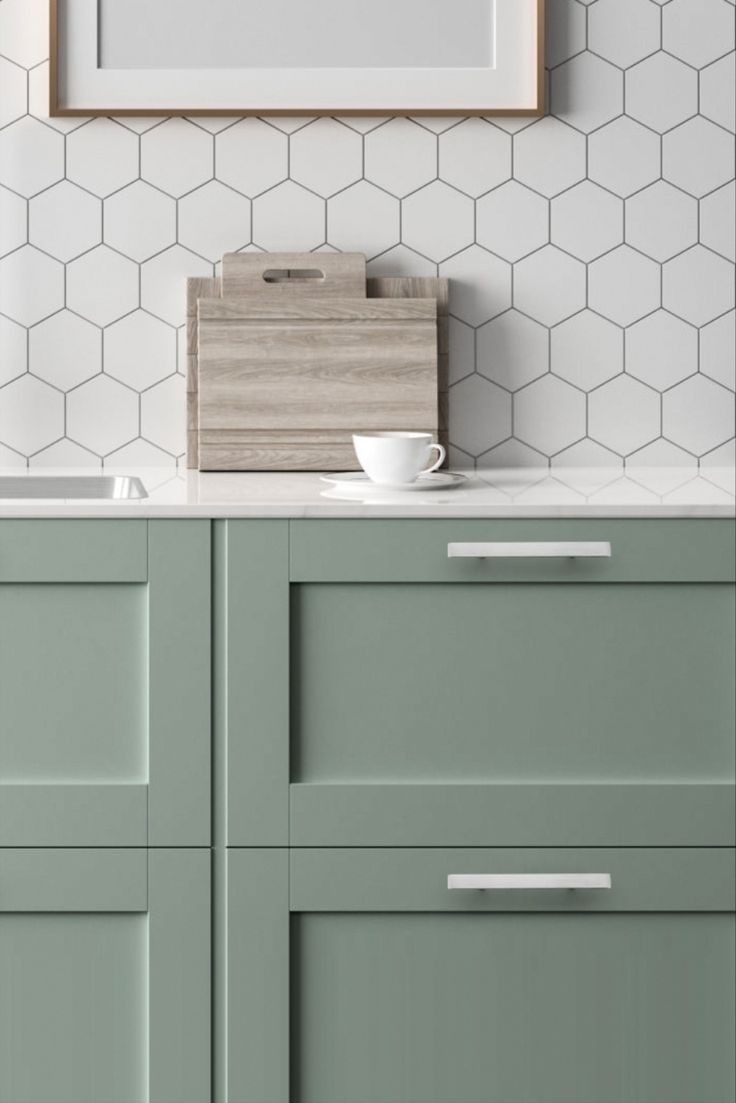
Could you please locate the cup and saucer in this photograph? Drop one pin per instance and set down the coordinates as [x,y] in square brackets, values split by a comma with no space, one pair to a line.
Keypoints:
[394,463]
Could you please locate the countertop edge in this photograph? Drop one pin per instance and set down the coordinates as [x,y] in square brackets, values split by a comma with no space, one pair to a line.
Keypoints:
[484,495]
[355,511]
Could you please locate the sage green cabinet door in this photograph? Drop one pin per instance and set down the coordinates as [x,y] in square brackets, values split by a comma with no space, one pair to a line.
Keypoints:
[440,701]
[104,683]
[401,697]
[400,991]
[104,976]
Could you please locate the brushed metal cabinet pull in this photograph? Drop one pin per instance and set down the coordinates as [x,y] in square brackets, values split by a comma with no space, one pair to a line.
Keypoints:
[491,881]
[575,549]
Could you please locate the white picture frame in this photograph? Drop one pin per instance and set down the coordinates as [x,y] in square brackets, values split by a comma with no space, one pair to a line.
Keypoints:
[509,38]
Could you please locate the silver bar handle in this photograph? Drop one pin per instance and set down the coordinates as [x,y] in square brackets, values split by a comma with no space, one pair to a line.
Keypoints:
[486,881]
[574,549]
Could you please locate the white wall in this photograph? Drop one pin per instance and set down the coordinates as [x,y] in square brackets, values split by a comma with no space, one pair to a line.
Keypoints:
[591,252]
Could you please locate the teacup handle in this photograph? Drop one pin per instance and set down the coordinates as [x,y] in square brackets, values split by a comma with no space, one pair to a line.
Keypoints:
[438,463]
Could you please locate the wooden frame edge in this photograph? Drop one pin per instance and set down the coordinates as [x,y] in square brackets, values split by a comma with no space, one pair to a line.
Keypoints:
[56,110]
[541,41]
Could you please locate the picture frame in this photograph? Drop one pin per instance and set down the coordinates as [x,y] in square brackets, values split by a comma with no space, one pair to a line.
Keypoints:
[159,57]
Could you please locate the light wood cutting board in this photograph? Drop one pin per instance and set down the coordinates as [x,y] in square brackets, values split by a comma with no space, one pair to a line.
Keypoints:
[293,275]
[285,382]
[243,272]
[196,289]
[429,287]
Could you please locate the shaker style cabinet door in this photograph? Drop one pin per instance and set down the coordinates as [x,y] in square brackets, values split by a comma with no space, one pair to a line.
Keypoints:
[104,683]
[435,683]
[512,683]
[357,976]
[104,976]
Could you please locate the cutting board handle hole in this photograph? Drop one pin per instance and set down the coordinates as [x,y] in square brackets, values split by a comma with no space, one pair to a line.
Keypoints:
[292,275]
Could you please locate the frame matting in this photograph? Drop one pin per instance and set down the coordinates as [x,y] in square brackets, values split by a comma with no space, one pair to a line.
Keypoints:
[512,85]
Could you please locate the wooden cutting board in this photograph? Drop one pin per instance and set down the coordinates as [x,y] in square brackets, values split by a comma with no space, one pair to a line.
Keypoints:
[425,287]
[284,383]
[196,289]
[243,274]
[293,275]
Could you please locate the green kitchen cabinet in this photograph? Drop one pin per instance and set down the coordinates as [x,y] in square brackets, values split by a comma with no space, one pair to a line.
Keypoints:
[357,976]
[439,701]
[375,706]
[104,683]
[401,715]
[104,975]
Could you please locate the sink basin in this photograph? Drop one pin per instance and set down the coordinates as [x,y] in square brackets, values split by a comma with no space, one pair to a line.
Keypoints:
[70,488]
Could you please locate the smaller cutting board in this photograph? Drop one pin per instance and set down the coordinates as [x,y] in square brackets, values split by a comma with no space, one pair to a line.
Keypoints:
[285,380]
[293,275]
[197,288]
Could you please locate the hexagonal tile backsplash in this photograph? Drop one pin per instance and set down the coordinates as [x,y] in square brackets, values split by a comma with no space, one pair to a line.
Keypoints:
[591,252]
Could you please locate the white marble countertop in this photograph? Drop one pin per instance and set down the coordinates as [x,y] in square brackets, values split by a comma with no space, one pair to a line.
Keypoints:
[519,492]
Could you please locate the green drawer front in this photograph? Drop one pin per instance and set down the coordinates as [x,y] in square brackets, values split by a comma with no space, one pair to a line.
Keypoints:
[416,551]
[399,879]
[373,984]
[578,702]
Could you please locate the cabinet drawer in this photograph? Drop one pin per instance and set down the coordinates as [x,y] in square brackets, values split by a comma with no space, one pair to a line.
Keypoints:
[439,701]
[404,879]
[459,714]
[355,976]
[417,551]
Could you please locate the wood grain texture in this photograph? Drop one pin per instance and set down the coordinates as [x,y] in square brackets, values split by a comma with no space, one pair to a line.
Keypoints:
[306,366]
[438,288]
[307,310]
[57,108]
[196,289]
[271,456]
[229,450]
[342,274]
[243,450]
[419,287]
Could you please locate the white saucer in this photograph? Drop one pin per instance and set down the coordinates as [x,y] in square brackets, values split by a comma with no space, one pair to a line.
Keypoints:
[357,482]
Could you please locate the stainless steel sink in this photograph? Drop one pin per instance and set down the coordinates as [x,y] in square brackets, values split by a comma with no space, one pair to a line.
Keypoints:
[71,487]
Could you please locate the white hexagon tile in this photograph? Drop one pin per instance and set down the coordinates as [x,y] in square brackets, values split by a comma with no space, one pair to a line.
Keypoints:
[591,251]
[512,221]
[65,221]
[140,221]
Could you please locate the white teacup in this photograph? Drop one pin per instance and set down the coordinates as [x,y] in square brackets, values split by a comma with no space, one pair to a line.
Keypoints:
[391,459]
